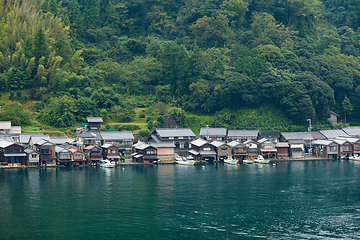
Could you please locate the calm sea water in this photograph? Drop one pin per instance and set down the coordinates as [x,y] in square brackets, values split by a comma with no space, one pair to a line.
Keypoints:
[298,200]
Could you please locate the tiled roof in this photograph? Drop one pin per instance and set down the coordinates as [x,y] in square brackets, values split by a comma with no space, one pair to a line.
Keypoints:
[212,132]
[175,132]
[117,136]
[352,131]
[217,143]
[243,133]
[296,135]
[332,134]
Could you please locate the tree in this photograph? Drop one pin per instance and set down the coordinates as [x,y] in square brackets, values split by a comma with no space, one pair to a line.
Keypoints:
[15,113]
[40,45]
[347,107]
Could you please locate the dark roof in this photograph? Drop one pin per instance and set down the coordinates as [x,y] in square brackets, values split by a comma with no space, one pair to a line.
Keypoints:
[269,134]
[317,136]
[90,134]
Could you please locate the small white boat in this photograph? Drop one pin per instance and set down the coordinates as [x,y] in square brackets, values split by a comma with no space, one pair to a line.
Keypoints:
[248,161]
[355,158]
[184,161]
[107,164]
[231,161]
[260,159]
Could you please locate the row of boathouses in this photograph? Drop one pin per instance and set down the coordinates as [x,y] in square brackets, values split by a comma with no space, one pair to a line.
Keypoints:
[165,144]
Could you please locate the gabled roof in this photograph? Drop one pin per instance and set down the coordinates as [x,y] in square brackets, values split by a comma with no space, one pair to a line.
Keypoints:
[213,132]
[296,141]
[350,139]
[90,134]
[5,144]
[39,138]
[15,130]
[332,134]
[323,142]
[352,131]
[317,136]
[110,136]
[24,138]
[91,146]
[6,138]
[155,138]
[243,133]
[199,142]
[249,142]
[30,151]
[142,146]
[269,134]
[296,135]
[107,145]
[235,143]
[5,125]
[58,140]
[175,132]
[217,143]
[94,119]
[263,140]
[341,141]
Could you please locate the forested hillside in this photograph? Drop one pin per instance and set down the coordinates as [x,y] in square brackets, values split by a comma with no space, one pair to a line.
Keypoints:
[66,60]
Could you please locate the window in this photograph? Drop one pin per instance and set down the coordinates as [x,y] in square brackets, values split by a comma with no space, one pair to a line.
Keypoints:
[333,148]
[11,150]
[267,146]
[346,148]
[181,138]
[46,150]
[206,149]
[171,137]
[64,155]
[113,151]
[33,155]
[150,152]
[220,139]
[357,146]
[224,149]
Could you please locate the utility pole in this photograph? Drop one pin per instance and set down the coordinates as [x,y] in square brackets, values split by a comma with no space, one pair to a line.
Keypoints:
[309,130]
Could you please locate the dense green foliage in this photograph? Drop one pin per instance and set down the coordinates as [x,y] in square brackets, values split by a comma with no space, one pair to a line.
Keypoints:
[87,57]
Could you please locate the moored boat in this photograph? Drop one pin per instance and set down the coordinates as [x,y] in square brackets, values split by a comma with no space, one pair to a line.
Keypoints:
[106,164]
[355,158]
[231,161]
[260,159]
[248,161]
[184,161]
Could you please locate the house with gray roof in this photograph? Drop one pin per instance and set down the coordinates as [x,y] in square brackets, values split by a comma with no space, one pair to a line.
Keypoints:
[181,137]
[12,154]
[325,149]
[332,134]
[110,152]
[270,135]
[242,135]
[239,150]
[5,127]
[123,140]
[202,150]
[295,138]
[213,134]
[94,123]
[144,153]
[32,157]
[352,132]
[222,149]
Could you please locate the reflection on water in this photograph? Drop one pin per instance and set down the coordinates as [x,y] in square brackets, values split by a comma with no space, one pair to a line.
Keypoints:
[298,200]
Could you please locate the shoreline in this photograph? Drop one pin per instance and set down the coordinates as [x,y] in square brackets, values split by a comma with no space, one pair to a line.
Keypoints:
[173,162]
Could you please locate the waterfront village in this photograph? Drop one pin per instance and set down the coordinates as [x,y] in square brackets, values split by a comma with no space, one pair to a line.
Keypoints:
[164,145]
